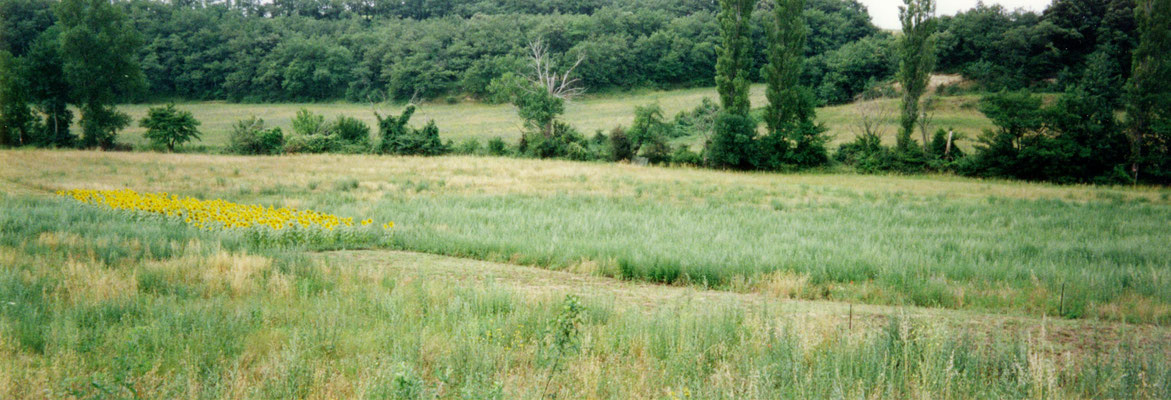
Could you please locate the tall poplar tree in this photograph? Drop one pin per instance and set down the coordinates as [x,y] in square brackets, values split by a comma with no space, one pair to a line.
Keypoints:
[917,60]
[733,145]
[786,48]
[794,138]
[734,56]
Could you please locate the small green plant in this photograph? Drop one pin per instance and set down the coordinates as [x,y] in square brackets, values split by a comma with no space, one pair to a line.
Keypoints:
[562,336]
[169,126]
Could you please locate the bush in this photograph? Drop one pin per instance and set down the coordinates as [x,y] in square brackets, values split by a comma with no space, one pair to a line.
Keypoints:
[307,123]
[170,127]
[620,146]
[497,147]
[468,146]
[312,144]
[555,145]
[250,137]
[698,122]
[656,151]
[1075,140]
[351,130]
[733,145]
[684,156]
[401,139]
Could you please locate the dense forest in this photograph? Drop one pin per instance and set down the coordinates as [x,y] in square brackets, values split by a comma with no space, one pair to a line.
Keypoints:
[312,50]
[1096,59]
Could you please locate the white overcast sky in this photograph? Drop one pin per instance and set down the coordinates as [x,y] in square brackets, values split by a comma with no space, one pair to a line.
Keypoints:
[886,12]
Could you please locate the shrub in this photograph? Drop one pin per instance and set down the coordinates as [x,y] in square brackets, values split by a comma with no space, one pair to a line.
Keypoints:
[307,123]
[168,126]
[250,137]
[468,146]
[684,156]
[648,126]
[620,146]
[733,145]
[698,122]
[399,138]
[656,151]
[312,144]
[555,145]
[497,147]
[351,130]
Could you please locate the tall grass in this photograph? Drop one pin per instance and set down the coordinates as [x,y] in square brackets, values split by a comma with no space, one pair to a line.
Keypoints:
[1076,252]
[139,311]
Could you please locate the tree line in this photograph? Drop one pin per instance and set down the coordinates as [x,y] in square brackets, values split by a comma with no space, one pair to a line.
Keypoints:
[1099,56]
[404,50]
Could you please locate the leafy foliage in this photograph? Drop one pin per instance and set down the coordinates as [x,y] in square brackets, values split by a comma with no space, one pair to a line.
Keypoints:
[1148,93]
[402,139]
[916,61]
[250,137]
[98,45]
[169,126]
[1074,140]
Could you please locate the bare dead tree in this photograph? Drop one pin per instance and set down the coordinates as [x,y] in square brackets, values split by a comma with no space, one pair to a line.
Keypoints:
[545,77]
[926,118]
[872,120]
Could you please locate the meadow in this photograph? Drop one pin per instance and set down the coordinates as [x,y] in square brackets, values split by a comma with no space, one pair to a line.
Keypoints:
[482,122]
[520,278]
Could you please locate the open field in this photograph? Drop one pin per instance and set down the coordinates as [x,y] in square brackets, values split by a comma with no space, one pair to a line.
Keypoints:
[796,286]
[933,241]
[485,121]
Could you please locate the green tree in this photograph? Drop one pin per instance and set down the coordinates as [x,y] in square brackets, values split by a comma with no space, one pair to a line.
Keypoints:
[1148,93]
[734,57]
[98,47]
[794,137]
[917,60]
[16,117]
[49,91]
[786,48]
[169,126]
[733,145]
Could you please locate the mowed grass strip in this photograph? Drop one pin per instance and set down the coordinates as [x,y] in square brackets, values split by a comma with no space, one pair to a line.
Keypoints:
[480,121]
[1073,251]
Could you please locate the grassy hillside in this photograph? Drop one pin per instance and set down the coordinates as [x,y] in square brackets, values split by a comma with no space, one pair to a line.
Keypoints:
[933,241]
[96,303]
[485,121]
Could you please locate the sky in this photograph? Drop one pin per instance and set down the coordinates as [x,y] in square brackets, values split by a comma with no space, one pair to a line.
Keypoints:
[885,13]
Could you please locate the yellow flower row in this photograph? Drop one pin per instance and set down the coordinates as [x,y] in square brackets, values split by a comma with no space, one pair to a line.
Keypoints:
[210,214]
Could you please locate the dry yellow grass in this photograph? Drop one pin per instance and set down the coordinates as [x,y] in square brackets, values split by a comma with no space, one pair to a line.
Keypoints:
[45,171]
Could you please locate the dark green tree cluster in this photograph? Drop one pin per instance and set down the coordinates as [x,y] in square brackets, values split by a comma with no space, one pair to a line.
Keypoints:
[1003,49]
[793,139]
[74,52]
[1148,94]
[417,50]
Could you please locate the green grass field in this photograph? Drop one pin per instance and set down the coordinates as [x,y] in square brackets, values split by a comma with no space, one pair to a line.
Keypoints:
[485,121]
[516,278]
